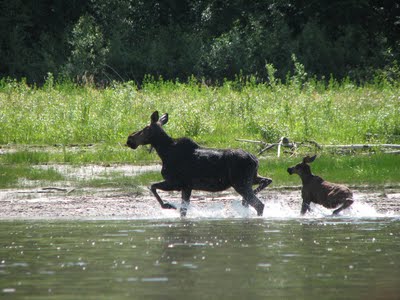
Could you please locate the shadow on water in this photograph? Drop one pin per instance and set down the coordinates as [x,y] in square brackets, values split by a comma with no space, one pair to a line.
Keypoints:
[212,258]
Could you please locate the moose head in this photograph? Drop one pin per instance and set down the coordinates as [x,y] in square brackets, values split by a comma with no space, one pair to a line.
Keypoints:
[148,133]
[302,169]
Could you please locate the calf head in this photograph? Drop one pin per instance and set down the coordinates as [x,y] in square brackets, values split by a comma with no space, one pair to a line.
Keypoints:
[149,133]
[302,169]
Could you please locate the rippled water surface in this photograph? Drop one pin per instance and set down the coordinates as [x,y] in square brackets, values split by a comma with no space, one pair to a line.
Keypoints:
[298,258]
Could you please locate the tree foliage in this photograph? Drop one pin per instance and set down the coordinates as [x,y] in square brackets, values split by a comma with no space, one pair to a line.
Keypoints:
[88,49]
[210,39]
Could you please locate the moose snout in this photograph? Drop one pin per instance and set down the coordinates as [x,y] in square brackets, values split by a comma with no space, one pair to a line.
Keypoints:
[131,144]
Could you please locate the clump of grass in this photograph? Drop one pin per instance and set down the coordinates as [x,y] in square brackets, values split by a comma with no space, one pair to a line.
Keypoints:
[12,175]
[25,157]
[124,182]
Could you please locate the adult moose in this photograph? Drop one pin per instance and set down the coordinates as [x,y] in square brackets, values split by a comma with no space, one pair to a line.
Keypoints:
[186,166]
[319,191]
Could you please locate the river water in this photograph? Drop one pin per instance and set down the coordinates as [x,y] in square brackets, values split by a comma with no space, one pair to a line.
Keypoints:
[321,257]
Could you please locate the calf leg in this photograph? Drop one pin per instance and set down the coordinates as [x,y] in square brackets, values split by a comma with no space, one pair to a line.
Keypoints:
[185,201]
[164,186]
[346,204]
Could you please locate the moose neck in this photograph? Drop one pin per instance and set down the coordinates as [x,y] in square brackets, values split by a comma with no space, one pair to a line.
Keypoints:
[161,142]
[306,178]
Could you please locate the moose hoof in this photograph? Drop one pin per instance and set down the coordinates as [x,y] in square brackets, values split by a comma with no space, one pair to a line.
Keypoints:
[260,209]
[168,206]
[183,212]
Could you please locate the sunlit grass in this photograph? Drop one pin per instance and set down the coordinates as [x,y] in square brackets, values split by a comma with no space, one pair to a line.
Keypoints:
[76,155]
[66,123]
[216,116]
[12,175]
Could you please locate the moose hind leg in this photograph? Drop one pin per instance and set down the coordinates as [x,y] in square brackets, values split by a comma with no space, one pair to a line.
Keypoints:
[249,198]
[256,203]
[165,186]
[262,182]
[345,205]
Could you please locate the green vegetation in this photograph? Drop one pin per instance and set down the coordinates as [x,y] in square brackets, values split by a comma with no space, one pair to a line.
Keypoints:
[14,175]
[122,182]
[70,124]
[66,114]
[104,40]
[88,73]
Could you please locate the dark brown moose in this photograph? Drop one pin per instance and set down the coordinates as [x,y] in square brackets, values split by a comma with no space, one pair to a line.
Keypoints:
[186,166]
[319,191]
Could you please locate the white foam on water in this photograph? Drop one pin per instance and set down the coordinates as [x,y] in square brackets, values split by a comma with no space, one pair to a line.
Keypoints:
[274,209]
[279,208]
[362,210]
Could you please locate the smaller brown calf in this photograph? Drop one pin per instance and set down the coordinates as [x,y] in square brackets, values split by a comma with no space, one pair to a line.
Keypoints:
[319,191]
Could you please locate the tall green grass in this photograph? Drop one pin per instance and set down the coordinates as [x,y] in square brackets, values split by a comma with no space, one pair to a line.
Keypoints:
[56,117]
[64,113]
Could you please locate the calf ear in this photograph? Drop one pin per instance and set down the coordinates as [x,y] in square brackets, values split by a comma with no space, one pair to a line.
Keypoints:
[154,117]
[307,159]
[164,119]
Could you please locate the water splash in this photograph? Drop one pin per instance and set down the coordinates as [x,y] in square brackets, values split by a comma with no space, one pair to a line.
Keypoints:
[274,209]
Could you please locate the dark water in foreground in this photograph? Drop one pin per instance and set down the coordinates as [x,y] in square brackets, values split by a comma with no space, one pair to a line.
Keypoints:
[328,258]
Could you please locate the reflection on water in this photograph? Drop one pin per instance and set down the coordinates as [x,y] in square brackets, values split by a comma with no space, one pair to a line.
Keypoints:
[299,258]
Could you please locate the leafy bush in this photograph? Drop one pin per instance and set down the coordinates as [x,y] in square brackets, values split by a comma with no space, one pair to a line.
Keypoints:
[89,50]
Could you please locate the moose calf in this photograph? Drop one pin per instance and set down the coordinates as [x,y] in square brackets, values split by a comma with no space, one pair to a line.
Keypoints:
[319,191]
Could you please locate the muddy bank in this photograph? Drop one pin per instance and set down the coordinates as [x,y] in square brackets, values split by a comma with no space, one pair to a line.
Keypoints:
[55,203]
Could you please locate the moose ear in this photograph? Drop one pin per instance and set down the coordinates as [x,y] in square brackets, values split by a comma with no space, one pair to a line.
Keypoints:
[308,159]
[154,117]
[164,119]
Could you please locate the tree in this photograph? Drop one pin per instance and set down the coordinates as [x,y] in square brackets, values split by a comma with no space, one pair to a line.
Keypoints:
[89,50]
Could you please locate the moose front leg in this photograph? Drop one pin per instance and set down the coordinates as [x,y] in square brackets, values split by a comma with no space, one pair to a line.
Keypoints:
[164,186]
[185,201]
[305,206]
